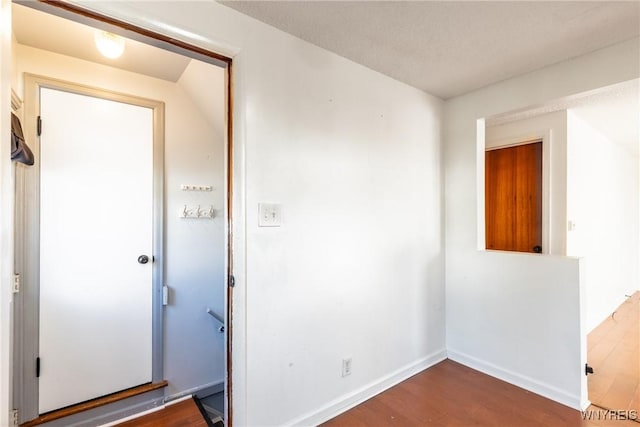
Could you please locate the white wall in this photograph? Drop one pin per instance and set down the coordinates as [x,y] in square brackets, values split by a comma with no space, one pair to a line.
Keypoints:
[357,268]
[603,203]
[516,316]
[552,129]
[194,249]
[207,91]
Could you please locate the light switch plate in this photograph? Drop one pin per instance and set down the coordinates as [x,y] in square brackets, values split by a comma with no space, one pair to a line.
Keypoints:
[269,215]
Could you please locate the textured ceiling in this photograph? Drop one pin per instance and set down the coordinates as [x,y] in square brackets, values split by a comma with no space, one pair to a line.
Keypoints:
[449,48]
[48,32]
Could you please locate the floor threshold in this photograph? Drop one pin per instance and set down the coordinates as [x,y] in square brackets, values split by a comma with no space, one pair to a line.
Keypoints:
[95,403]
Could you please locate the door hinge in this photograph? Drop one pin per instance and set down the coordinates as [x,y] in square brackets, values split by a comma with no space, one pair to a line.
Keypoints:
[39,126]
[232,281]
[16,283]
[37,367]
[15,417]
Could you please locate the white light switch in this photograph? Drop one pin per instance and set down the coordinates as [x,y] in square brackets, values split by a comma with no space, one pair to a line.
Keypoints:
[269,215]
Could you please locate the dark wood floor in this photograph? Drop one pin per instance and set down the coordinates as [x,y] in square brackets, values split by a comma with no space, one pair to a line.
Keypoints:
[181,414]
[450,394]
[447,394]
[613,350]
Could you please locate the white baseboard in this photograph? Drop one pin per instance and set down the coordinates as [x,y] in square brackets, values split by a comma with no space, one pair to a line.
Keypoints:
[132,417]
[201,390]
[527,383]
[348,401]
[143,413]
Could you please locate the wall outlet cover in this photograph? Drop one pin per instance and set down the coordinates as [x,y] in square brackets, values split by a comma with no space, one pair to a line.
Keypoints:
[346,367]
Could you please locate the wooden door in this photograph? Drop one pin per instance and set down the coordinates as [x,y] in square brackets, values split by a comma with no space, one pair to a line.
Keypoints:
[96,219]
[513,198]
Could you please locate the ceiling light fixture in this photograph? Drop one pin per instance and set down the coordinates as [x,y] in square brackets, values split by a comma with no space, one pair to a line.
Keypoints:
[109,44]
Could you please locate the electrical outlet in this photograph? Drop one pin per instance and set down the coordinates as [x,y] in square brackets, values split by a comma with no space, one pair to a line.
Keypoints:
[346,367]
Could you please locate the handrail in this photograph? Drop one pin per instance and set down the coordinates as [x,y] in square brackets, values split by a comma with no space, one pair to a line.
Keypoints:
[218,318]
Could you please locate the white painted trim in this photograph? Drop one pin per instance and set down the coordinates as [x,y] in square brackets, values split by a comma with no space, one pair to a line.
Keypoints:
[147,412]
[522,381]
[194,391]
[586,405]
[480,185]
[497,146]
[515,140]
[181,399]
[132,417]
[6,219]
[16,102]
[238,339]
[348,401]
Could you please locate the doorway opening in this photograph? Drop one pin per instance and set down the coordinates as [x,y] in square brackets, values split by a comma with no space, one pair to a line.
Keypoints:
[613,351]
[180,327]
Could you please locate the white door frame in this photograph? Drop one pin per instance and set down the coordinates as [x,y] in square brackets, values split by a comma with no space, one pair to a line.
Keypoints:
[29,299]
[6,218]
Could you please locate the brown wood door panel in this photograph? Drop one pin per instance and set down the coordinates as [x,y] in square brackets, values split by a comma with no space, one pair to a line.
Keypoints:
[513,198]
[499,191]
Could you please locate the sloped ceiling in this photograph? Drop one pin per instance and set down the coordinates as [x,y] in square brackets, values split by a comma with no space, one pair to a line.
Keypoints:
[202,82]
[48,32]
[448,48]
[616,115]
[205,85]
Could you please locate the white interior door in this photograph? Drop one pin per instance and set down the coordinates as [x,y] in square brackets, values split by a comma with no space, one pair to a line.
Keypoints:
[96,219]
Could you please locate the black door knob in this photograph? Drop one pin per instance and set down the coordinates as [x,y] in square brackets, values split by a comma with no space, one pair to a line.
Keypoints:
[537,249]
[143,259]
